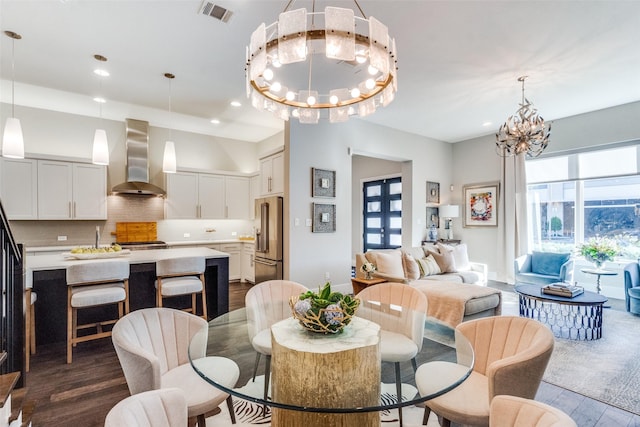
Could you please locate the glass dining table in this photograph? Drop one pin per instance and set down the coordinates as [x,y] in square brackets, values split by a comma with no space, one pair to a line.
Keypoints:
[334,375]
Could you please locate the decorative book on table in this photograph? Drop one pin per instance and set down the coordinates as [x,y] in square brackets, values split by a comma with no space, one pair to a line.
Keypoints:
[563,290]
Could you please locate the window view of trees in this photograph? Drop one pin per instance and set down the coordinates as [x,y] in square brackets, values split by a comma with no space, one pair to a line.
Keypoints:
[565,213]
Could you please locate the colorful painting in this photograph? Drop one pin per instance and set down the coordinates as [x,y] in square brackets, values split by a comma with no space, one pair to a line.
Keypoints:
[481,205]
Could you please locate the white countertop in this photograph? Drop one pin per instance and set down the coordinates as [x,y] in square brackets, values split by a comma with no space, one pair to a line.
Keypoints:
[57,261]
[174,243]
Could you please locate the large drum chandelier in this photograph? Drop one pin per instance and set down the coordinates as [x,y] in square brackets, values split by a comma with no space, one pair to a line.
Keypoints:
[524,132]
[355,58]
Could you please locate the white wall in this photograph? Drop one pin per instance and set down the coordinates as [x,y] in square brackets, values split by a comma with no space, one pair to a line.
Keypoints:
[475,161]
[326,146]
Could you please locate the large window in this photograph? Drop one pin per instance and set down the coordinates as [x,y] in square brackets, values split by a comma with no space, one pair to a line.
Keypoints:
[382,201]
[574,197]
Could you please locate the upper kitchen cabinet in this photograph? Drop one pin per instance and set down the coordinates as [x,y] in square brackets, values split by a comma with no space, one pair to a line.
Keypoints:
[19,188]
[71,191]
[206,196]
[272,174]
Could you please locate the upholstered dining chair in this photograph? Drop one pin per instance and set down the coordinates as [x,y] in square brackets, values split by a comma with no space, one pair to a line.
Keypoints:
[512,411]
[510,356]
[267,303]
[94,284]
[401,334]
[181,276]
[153,347]
[157,408]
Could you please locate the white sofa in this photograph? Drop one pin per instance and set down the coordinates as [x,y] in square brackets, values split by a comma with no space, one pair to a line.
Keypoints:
[455,287]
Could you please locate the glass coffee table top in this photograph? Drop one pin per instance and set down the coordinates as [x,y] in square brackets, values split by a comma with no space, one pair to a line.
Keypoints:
[228,336]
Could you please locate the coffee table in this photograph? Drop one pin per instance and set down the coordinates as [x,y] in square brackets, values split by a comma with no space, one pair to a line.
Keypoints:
[578,318]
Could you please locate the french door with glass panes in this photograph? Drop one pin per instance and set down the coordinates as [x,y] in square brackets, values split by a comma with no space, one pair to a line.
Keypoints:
[382,214]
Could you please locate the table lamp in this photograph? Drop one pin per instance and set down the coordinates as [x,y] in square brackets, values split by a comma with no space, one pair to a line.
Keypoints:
[448,212]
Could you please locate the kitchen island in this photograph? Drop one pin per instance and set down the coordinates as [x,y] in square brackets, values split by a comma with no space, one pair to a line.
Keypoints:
[46,275]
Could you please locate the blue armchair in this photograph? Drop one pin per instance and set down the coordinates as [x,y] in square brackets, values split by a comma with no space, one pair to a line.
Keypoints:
[543,268]
[632,287]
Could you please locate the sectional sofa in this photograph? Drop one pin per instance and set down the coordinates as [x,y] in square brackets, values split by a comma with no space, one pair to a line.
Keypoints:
[455,287]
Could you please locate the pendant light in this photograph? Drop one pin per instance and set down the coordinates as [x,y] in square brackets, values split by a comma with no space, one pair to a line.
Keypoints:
[169,160]
[100,144]
[12,141]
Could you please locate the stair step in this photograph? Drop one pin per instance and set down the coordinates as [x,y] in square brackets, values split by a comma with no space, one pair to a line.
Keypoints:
[20,405]
[7,384]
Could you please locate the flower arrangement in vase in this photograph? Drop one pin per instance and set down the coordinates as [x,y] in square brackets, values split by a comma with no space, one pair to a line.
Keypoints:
[325,312]
[368,268]
[598,250]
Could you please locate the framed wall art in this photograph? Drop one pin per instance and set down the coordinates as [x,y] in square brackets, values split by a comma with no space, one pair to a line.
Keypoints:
[433,217]
[481,205]
[323,183]
[324,218]
[433,192]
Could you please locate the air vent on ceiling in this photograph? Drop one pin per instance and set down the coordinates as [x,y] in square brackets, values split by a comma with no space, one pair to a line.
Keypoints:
[215,11]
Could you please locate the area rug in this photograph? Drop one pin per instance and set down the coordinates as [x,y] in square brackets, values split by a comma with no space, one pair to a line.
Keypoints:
[250,413]
[607,369]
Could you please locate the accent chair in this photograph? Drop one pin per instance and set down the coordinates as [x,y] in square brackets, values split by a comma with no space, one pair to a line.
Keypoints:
[543,268]
[632,287]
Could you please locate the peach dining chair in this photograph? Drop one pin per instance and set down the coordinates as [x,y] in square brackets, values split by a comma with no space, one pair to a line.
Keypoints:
[400,310]
[510,357]
[512,411]
[181,276]
[267,303]
[94,284]
[153,347]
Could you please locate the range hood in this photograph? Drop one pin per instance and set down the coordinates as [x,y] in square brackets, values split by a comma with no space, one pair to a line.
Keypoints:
[137,161]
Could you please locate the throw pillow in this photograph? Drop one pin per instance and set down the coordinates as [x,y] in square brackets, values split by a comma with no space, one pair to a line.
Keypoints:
[388,263]
[445,261]
[429,266]
[411,268]
[460,255]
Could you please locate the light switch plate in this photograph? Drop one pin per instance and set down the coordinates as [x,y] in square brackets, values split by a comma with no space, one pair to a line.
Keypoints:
[308,222]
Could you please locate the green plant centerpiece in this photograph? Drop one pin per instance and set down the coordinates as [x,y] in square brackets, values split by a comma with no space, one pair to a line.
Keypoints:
[325,311]
[598,250]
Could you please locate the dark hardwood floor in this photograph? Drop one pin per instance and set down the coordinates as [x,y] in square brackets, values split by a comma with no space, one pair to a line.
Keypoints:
[82,393]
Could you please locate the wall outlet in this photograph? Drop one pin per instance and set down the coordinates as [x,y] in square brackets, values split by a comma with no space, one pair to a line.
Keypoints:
[296,222]
[187,235]
[327,276]
[62,238]
[234,233]
[308,222]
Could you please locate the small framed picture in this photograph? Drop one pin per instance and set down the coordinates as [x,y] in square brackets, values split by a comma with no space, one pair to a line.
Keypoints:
[433,192]
[323,183]
[481,204]
[324,218]
[432,217]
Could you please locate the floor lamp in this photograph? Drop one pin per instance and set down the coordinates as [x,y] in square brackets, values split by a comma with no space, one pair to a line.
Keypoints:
[448,212]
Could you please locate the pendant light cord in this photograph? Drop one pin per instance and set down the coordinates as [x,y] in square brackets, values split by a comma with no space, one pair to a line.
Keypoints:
[13,77]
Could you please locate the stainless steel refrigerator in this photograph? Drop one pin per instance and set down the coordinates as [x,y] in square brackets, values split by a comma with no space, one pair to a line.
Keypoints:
[268,256]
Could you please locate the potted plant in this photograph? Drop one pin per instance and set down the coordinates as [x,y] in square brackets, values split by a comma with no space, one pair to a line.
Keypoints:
[325,311]
[598,250]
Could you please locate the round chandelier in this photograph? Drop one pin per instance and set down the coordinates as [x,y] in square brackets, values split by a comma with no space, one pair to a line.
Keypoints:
[524,132]
[330,62]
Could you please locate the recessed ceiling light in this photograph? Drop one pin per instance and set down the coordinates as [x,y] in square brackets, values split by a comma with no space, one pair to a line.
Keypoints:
[101,72]
[487,124]
[215,121]
[99,100]
[236,104]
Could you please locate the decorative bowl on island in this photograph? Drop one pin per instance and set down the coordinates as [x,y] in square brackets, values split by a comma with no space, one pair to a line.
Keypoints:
[324,312]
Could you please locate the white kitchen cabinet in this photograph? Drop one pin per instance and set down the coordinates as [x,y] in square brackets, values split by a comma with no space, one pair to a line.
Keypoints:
[207,196]
[19,188]
[235,262]
[71,191]
[248,268]
[272,174]
[237,195]
[254,193]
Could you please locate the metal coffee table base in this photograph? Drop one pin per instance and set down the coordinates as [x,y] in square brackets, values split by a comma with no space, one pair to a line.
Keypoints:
[572,321]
